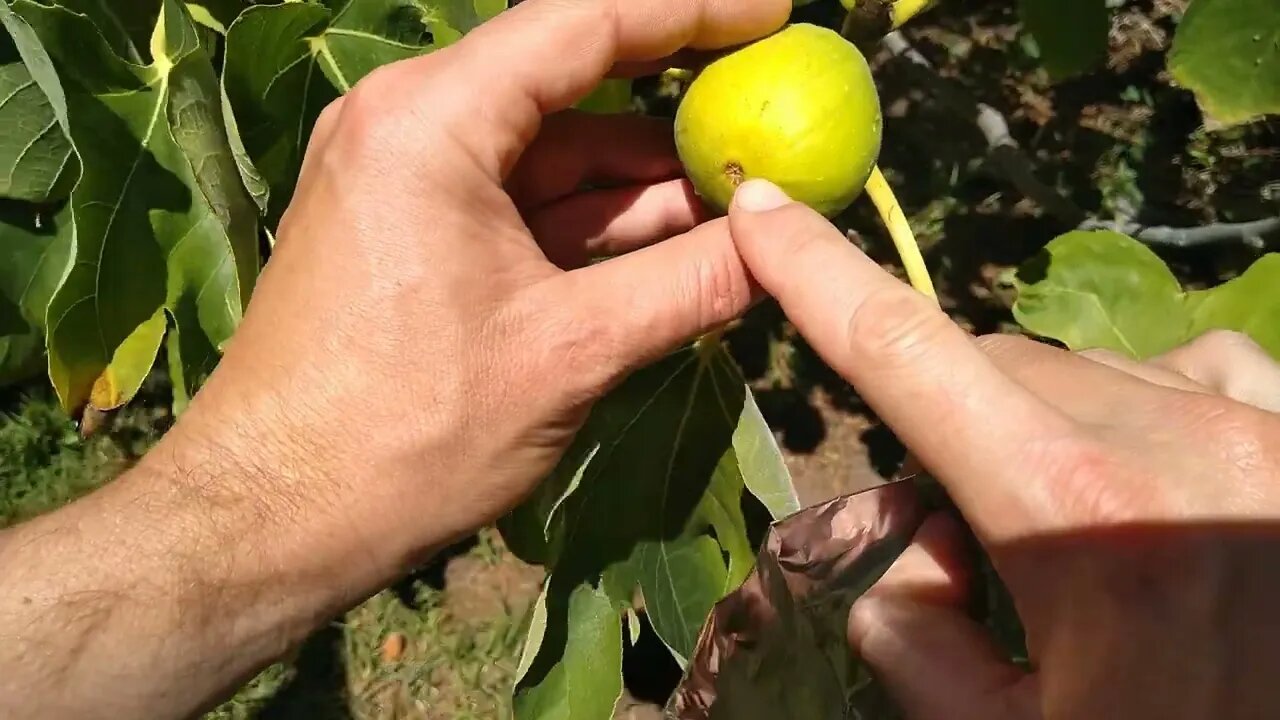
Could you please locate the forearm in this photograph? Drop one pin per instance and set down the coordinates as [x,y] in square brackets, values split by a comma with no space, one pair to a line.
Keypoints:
[159,594]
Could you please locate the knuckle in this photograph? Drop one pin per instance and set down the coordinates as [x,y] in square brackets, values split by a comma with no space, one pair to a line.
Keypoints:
[1217,343]
[1231,364]
[1246,445]
[359,127]
[1209,356]
[1002,346]
[328,116]
[1236,433]
[323,128]
[1089,481]
[1241,443]
[1203,411]
[579,348]
[719,289]
[892,326]
[375,116]
[1103,356]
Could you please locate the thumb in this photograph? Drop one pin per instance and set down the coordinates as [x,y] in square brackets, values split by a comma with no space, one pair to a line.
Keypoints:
[644,304]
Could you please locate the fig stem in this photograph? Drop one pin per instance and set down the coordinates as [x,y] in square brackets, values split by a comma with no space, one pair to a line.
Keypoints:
[900,230]
[677,74]
[709,342]
[904,10]
[870,20]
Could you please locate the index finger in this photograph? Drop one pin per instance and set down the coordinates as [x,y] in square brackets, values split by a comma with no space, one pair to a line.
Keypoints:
[979,432]
[545,55]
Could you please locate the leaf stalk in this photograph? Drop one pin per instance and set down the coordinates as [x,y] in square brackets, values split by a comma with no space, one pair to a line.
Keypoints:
[904,10]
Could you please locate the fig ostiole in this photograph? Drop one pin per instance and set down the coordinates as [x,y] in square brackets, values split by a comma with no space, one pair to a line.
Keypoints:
[798,108]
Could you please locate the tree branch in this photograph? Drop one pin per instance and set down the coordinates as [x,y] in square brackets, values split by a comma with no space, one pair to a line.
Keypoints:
[1003,150]
[1008,157]
[1251,233]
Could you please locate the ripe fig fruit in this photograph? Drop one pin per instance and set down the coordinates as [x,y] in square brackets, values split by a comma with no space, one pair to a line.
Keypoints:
[798,108]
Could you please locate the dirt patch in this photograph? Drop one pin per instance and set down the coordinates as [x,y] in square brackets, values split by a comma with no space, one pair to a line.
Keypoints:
[489,582]
[843,463]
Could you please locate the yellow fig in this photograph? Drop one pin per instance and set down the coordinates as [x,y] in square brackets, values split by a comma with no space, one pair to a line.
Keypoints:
[798,108]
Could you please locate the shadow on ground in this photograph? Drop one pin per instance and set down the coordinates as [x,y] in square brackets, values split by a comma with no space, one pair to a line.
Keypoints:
[318,688]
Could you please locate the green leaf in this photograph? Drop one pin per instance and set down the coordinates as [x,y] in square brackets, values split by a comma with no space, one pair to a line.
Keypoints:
[125,24]
[11,322]
[21,357]
[1228,53]
[610,96]
[34,248]
[36,162]
[535,631]
[275,91]
[285,62]
[664,490]
[1101,289]
[633,626]
[1106,290]
[217,15]
[1249,304]
[366,34]
[254,181]
[162,220]
[756,454]
[201,326]
[695,575]
[577,672]
[449,20]
[1071,34]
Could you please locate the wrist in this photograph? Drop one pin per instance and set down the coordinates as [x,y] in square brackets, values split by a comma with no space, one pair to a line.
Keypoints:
[299,479]
[265,505]
[175,582]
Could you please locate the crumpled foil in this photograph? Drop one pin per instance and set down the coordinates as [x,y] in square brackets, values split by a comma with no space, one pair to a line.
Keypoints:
[777,647]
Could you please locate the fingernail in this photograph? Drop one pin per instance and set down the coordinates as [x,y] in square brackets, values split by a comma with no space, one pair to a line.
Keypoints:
[759,196]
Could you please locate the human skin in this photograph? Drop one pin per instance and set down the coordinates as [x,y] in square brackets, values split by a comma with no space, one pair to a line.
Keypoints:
[421,347]
[428,337]
[1132,509]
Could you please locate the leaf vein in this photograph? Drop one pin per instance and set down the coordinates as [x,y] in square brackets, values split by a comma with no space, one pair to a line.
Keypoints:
[23,153]
[281,72]
[1102,310]
[370,36]
[343,84]
[115,208]
[302,109]
[666,489]
[604,460]
[16,90]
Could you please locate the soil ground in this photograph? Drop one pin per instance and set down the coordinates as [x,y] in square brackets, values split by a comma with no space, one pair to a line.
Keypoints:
[443,643]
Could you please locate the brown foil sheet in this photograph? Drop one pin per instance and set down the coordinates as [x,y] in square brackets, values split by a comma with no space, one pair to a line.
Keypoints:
[777,647]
